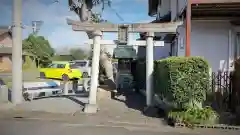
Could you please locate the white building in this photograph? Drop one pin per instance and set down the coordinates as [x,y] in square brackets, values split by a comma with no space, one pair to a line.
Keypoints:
[215,29]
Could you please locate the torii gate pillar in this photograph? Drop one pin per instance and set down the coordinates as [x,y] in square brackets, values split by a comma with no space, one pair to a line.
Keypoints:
[92,107]
[149,69]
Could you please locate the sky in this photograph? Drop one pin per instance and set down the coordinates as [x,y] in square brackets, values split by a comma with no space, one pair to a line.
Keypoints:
[54,16]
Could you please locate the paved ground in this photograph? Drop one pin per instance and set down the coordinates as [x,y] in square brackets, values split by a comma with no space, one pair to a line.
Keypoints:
[36,127]
[125,109]
[64,116]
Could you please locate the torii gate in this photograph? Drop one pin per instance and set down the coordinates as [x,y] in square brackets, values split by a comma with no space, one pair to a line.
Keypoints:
[98,28]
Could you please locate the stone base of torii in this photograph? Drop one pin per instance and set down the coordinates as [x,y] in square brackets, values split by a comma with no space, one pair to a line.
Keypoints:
[97,30]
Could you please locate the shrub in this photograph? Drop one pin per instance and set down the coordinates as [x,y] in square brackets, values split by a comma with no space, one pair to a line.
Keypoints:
[28,63]
[193,116]
[182,81]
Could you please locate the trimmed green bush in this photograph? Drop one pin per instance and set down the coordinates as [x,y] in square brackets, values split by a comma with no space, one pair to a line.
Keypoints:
[182,81]
[193,116]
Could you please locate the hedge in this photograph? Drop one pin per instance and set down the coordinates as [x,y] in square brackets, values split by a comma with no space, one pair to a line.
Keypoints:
[182,81]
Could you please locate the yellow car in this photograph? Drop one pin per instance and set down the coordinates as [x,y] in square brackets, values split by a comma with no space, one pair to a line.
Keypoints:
[61,70]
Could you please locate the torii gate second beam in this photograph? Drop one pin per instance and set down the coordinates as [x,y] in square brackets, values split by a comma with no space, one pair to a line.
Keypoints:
[98,28]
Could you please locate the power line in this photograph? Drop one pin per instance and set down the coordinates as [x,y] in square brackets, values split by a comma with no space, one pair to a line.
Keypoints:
[109,4]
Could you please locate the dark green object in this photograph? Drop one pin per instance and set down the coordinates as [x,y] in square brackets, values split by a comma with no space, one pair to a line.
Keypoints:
[182,81]
[192,116]
[124,52]
[141,74]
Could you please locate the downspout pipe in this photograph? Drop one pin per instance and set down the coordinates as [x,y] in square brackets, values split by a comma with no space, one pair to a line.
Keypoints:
[188,28]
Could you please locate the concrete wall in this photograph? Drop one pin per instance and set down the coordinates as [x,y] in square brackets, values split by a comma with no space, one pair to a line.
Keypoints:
[209,39]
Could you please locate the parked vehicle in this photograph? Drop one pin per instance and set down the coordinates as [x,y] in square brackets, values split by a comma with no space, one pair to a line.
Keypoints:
[84,66]
[63,70]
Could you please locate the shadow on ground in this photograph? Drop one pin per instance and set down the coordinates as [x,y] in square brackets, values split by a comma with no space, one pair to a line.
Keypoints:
[137,101]
[134,100]
[73,98]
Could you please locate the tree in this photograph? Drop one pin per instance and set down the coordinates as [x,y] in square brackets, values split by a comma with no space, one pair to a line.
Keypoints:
[40,47]
[72,54]
[79,54]
[84,9]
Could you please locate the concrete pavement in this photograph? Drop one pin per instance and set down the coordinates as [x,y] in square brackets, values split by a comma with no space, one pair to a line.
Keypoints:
[64,116]
[35,127]
[19,127]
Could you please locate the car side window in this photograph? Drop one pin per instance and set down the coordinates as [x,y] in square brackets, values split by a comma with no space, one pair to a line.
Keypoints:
[60,65]
[52,66]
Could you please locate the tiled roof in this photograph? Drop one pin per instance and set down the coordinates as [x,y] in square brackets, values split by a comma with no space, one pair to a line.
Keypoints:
[8,50]
[3,29]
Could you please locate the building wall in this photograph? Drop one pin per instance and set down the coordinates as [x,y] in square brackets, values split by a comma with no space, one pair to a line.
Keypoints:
[175,6]
[173,9]
[5,40]
[5,59]
[181,5]
[159,51]
[5,63]
[165,7]
[209,39]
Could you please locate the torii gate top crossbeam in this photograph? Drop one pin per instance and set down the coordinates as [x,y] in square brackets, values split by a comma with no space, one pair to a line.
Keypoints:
[133,28]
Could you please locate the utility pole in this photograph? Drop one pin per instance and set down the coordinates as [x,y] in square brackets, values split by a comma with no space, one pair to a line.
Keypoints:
[36,25]
[16,94]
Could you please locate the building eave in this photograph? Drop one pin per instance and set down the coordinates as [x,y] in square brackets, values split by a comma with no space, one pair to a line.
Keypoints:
[213,1]
[4,30]
[215,11]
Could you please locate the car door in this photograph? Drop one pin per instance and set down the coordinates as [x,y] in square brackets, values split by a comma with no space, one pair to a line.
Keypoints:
[60,70]
[52,70]
[49,71]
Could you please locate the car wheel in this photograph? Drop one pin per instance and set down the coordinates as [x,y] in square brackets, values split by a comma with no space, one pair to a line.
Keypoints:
[65,77]
[42,75]
[85,75]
